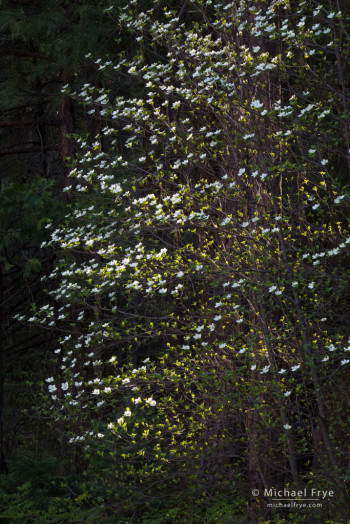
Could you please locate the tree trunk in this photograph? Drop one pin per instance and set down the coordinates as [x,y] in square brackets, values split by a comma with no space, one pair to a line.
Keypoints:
[3,465]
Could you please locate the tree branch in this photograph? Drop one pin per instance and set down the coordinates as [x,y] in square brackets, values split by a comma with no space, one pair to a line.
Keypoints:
[28,150]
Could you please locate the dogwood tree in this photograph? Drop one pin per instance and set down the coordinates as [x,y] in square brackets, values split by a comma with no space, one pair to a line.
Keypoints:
[201,277]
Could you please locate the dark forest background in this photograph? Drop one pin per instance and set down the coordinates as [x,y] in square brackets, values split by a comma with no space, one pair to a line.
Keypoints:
[45,45]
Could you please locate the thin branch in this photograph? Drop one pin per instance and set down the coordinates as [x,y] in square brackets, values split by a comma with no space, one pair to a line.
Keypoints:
[18,123]
[28,150]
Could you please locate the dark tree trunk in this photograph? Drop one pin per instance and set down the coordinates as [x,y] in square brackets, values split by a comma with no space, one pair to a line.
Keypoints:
[3,465]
